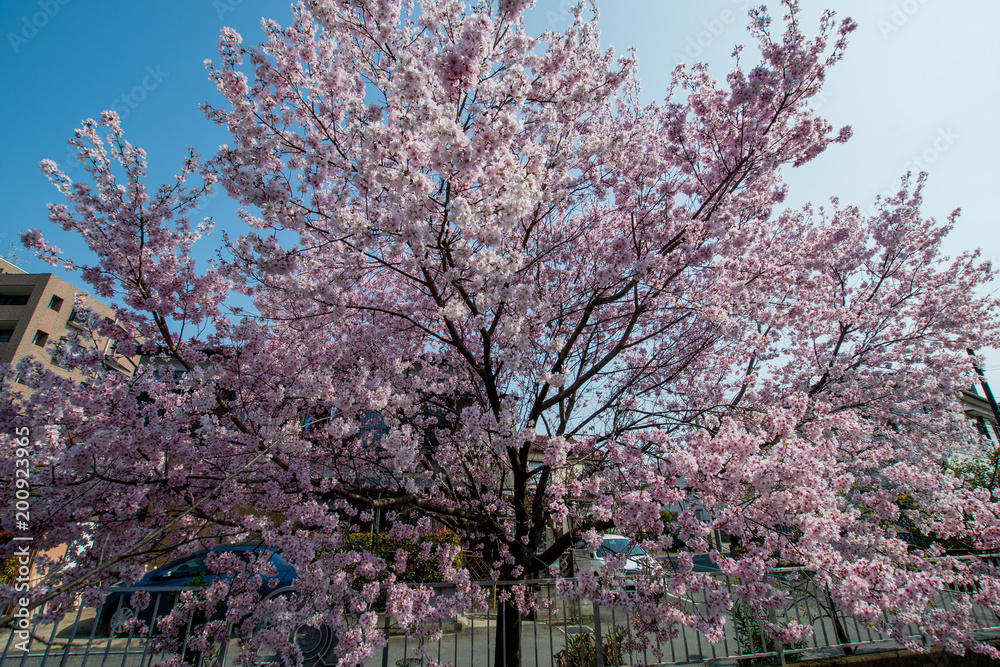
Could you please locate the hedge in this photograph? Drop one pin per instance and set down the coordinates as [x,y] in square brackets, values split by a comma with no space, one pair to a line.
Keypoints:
[418,569]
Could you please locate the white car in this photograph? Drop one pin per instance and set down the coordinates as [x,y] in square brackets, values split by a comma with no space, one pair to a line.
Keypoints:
[636,560]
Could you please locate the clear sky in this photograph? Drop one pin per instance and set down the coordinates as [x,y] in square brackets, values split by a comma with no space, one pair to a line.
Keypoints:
[920,85]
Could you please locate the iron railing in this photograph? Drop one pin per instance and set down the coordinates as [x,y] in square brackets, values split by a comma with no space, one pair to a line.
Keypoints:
[557,634]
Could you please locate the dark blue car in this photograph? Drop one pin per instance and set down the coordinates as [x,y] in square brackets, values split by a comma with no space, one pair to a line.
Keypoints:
[188,572]
[164,584]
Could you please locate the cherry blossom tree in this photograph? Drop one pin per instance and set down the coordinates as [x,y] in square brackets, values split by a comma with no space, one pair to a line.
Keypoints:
[493,291]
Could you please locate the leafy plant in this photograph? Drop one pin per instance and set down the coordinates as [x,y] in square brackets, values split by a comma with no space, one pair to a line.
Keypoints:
[419,569]
[752,638]
[978,472]
[8,566]
[580,649]
[923,540]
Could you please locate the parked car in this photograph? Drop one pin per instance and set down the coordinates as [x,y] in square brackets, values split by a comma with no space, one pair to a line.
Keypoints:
[317,644]
[190,571]
[636,560]
[702,563]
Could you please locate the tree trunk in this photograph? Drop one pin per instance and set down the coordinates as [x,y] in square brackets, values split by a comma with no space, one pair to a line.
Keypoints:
[838,627]
[507,648]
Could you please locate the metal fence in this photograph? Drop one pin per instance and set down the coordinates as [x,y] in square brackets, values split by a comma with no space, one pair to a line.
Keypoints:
[563,632]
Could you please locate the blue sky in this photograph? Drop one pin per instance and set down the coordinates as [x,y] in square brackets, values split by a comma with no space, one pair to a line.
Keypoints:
[919,84]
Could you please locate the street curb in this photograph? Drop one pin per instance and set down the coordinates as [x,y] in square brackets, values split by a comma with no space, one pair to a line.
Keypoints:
[936,657]
[460,623]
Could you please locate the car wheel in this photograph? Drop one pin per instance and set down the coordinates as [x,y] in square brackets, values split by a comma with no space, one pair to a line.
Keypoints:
[318,645]
[116,622]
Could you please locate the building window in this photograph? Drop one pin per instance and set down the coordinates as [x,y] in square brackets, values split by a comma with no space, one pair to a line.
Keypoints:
[983,427]
[14,299]
[5,335]
[373,426]
[55,303]
[60,350]
[40,338]
[79,319]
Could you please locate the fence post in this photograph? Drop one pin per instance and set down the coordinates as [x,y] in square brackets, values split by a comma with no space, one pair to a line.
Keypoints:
[778,645]
[385,649]
[223,650]
[598,638]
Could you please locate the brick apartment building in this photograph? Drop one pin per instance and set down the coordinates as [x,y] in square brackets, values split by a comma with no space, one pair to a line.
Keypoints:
[37,310]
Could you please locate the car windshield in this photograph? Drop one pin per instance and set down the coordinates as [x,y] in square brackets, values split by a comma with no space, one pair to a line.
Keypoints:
[191,567]
[620,547]
[195,566]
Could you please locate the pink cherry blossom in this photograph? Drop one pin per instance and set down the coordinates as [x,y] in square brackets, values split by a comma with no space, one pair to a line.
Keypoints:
[493,292]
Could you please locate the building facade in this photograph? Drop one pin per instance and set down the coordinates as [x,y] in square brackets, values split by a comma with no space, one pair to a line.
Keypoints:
[38,311]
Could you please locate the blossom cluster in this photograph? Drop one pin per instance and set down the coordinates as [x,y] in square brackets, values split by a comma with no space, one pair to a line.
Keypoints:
[494,292]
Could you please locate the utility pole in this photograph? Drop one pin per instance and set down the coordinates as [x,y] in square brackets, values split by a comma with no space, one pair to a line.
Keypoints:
[986,388]
[996,413]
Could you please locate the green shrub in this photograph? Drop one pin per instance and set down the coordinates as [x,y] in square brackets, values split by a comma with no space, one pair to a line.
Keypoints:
[580,650]
[752,638]
[418,569]
[8,566]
